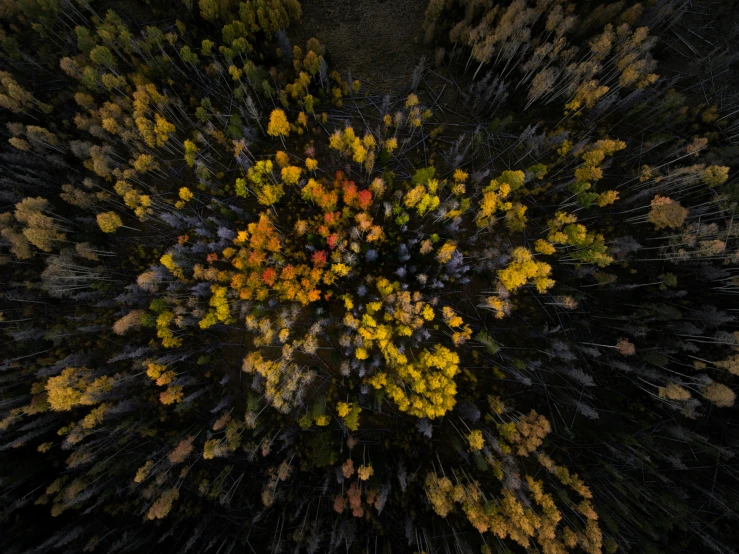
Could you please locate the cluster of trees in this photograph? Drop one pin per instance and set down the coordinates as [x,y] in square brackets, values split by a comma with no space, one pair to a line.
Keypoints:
[250,305]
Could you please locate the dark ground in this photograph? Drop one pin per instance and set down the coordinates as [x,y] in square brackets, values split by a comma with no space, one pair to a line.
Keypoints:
[379,41]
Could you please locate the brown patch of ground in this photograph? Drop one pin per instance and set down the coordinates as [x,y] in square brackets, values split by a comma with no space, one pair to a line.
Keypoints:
[379,41]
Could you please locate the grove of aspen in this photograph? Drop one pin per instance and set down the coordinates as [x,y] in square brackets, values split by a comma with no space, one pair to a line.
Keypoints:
[253,302]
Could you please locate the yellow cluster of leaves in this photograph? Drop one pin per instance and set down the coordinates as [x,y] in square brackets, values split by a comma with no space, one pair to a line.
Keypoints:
[164,332]
[416,117]
[160,374]
[278,124]
[163,377]
[364,472]
[506,516]
[476,440]
[446,252]
[590,172]
[299,88]
[291,175]
[285,381]
[168,261]
[587,95]
[404,313]
[163,504]
[220,310]
[499,304]
[109,222]
[311,164]
[715,175]
[526,434]
[524,269]
[143,472]
[185,195]
[424,387]
[144,163]
[139,203]
[267,190]
[75,387]
[414,114]
[347,142]
[153,133]
[349,412]
[461,333]
[495,200]
[543,247]
[590,247]
[190,150]
[423,197]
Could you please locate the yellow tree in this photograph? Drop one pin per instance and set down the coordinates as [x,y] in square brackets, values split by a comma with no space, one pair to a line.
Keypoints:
[109,222]
[278,125]
[424,387]
[524,269]
[65,391]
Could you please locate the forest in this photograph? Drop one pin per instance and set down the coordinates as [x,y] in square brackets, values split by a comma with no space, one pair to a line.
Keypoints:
[270,292]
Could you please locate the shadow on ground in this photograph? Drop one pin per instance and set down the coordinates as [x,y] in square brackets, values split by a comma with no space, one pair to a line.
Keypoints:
[379,41]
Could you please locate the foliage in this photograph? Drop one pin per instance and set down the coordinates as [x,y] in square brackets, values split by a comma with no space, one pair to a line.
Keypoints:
[494,313]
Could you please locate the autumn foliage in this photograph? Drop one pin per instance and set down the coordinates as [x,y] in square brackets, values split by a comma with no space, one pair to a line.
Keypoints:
[252,303]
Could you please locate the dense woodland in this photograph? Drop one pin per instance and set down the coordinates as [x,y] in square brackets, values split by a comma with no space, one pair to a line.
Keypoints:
[250,304]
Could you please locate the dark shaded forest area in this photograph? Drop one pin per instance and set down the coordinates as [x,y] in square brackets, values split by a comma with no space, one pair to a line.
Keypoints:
[453,276]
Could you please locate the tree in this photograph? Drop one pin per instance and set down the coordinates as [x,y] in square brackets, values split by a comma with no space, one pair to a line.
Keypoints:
[291,175]
[67,390]
[208,9]
[350,413]
[666,213]
[721,395]
[715,175]
[191,150]
[523,269]
[15,98]
[163,505]
[132,320]
[109,222]
[278,125]
[182,451]
[101,55]
[476,440]
[424,388]
[347,269]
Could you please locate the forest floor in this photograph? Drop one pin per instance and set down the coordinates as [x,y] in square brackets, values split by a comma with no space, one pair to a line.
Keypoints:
[379,41]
